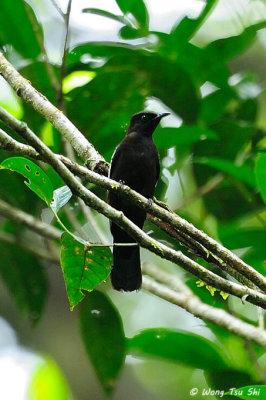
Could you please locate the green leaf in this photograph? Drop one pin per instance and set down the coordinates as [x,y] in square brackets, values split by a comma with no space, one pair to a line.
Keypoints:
[260,172]
[106,14]
[177,346]
[37,181]
[242,172]
[48,382]
[253,392]
[137,8]
[24,276]
[184,31]
[225,49]
[104,338]
[60,197]
[128,33]
[83,268]
[227,379]
[14,15]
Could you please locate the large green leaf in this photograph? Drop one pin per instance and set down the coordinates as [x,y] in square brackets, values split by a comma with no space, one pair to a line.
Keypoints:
[37,180]
[177,346]
[83,268]
[241,172]
[16,28]
[260,172]
[104,338]
[25,278]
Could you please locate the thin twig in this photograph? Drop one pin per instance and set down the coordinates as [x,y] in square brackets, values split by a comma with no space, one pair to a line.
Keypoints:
[60,99]
[37,250]
[58,8]
[13,213]
[201,191]
[48,66]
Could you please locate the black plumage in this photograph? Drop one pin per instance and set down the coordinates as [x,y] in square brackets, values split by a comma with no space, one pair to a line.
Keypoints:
[135,163]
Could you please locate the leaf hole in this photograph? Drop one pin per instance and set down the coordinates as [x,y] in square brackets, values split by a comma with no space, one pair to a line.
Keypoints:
[27,167]
[37,173]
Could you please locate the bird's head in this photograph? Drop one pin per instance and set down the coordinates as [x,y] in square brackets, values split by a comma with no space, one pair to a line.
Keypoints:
[145,122]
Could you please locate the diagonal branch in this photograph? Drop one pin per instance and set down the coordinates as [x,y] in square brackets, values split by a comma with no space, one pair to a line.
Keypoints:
[192,304]
[232,267]
[142,238]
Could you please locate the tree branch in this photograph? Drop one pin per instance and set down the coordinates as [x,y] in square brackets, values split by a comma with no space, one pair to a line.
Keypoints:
[192,304]
[22,129]
[143,239]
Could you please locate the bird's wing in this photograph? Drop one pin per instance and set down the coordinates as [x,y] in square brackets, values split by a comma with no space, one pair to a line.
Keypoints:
[114,159]
[158,169]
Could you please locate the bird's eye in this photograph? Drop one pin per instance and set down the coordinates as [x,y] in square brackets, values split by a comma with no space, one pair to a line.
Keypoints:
[143,117]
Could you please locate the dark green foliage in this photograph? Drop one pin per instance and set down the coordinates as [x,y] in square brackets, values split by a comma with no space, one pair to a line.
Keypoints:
[104,339]
[24,276]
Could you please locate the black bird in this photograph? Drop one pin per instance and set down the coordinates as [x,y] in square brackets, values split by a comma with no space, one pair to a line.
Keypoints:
[135,163]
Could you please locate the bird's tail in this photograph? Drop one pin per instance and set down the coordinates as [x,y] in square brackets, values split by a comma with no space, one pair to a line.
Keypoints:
[126,271]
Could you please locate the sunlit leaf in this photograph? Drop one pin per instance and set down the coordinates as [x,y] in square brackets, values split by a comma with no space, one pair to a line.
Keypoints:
[83,268]
[37,180]
[104,339]
[48,383]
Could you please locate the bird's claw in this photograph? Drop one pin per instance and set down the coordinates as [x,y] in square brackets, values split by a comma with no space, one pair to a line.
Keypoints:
[150,202]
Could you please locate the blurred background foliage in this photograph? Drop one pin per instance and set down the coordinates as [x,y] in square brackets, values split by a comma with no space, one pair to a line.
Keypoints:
[204,61]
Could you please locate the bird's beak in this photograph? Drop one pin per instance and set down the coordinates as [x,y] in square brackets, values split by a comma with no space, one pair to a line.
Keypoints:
[162,115]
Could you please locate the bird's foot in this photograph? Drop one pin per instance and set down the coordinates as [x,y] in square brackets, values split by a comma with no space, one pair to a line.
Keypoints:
[150,202]
[122,182]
